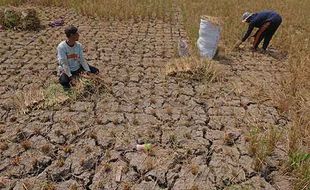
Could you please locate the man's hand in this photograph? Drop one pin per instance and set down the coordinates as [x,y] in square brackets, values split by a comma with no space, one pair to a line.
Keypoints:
[86,73]
[73,80]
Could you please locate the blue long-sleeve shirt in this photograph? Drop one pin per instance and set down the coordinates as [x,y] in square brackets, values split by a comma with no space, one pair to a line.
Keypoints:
[259,19]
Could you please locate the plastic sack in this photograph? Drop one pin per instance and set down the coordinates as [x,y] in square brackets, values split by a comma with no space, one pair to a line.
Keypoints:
[209,36]
[58,22]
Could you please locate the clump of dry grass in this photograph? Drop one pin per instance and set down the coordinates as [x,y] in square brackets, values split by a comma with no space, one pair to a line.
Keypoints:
[107,167]
[11,2]
[194,68]
[30,20]
[194,187]
[26,144]
[194,169]
[19,18]
[37,131]
[12,18]
[55,96]
[86,86]
[16,161]
[149,164]
[127,185]
[25,101]
[2,130]
[60,162]
[46,148]
[186,67]
[48,186]
[4,146]
[73,187]
[67,149]
[2,18]
[299,163]
[169,110]
[262,144]
[37,97]
[229,139]
[211,19]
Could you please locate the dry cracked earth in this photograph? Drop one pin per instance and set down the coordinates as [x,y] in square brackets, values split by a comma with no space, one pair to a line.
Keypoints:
[199,130]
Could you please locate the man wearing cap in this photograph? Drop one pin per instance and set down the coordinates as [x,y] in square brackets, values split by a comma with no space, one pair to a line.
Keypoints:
[267,21]
[70,58]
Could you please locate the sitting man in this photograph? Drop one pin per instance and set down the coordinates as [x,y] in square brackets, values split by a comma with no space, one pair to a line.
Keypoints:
[267,22]
[70,58]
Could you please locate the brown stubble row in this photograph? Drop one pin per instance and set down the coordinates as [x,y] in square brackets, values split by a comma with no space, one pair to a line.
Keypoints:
[109,9]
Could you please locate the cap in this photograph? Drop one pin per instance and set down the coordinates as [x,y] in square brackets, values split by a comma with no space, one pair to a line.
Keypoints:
[246,16]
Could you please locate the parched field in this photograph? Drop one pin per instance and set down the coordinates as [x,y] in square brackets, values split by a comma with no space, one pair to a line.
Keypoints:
[204,132]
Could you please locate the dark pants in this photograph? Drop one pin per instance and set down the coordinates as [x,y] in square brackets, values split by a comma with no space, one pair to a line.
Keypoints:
[64,80]
[266,32]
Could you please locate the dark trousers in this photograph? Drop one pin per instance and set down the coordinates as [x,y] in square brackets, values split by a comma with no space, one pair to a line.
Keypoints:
[266,32]
[64,80]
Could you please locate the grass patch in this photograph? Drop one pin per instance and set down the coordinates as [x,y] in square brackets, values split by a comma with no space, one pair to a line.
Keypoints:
[298,149]
[55,95]
[87,87]
[25,101]
[194,68]
[262,144]
[300,165]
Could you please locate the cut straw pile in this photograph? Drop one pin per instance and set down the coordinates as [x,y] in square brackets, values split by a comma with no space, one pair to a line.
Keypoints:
[19,19]
[190,68]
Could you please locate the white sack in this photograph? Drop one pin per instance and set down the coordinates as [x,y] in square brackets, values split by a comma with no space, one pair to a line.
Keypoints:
[209,36]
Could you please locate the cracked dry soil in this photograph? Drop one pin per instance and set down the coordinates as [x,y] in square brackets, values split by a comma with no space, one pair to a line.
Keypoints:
[86,144]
